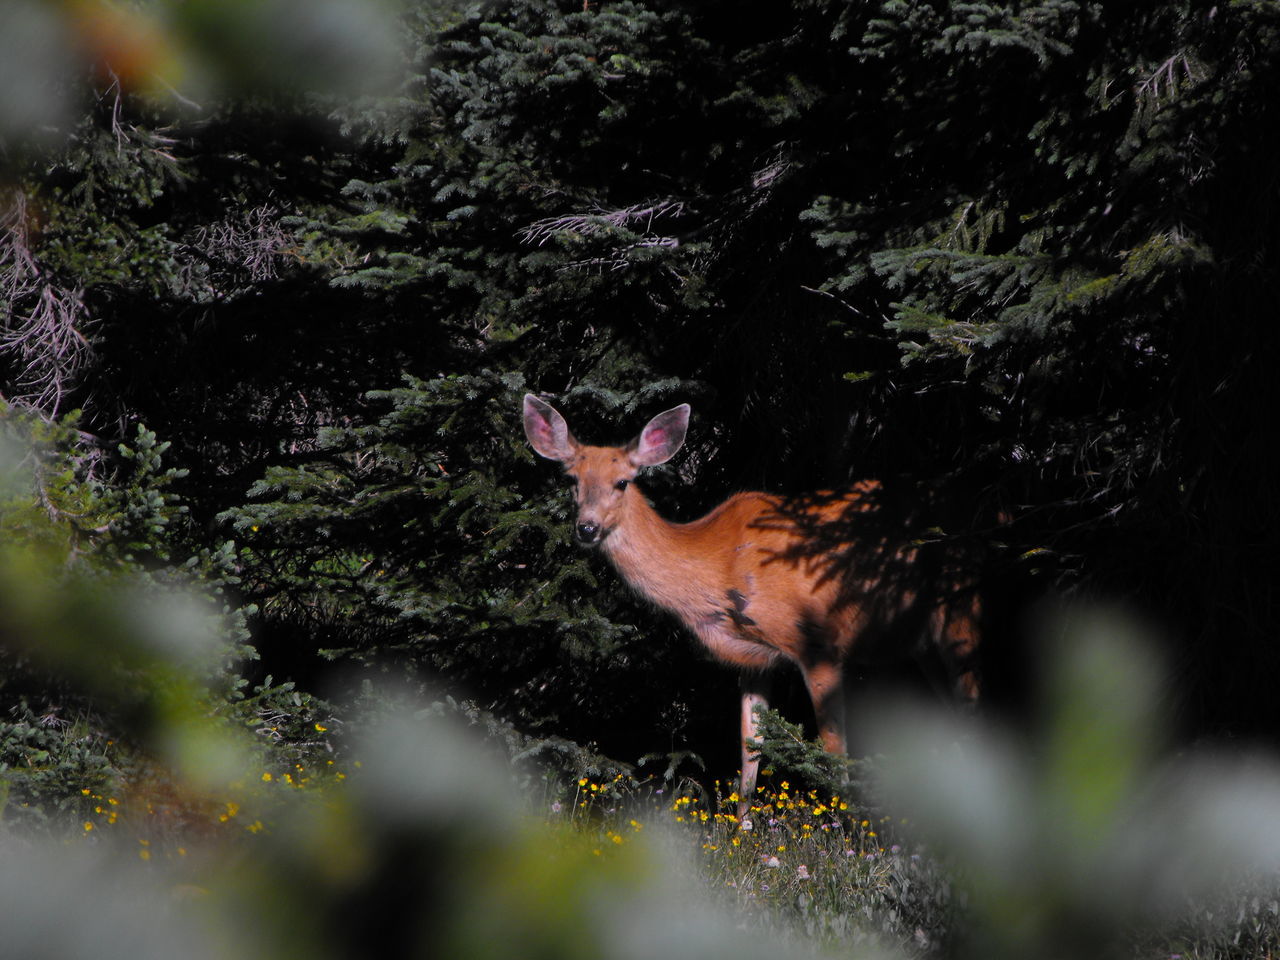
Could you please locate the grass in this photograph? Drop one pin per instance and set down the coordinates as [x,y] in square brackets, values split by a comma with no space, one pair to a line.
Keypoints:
[801,865]
[1071,843]
[808,870]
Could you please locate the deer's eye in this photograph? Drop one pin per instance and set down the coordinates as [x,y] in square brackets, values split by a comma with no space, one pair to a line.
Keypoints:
[621,485]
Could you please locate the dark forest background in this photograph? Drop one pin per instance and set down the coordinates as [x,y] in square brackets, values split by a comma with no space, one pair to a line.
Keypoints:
[1018,260]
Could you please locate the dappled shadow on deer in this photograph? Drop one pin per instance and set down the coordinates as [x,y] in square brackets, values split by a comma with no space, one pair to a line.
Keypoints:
[819,581]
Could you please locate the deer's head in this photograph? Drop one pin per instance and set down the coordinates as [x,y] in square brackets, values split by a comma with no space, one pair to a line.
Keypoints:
[602,475]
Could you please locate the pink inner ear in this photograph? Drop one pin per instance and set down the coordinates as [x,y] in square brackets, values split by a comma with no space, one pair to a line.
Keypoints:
[655,436]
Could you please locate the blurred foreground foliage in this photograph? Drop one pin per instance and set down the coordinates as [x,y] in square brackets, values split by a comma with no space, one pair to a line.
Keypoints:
[178,54]
[417,829]
[120,636]
[1087,834]
[419,845]
[1015,257]
[1011,259]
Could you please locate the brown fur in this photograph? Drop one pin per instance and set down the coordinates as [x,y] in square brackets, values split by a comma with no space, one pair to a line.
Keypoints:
[752,579]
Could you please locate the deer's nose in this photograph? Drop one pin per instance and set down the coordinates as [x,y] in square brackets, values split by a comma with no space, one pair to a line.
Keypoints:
[588,533]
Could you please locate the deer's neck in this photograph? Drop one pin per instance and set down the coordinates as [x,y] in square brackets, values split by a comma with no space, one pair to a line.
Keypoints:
[658,558]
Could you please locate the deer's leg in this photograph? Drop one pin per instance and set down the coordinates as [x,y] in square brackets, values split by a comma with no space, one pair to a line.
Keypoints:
[820,665]
[956,627]
[755,688]
[732,637]
[825,684]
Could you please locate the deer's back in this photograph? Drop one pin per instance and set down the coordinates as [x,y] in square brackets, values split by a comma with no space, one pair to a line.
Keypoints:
[781,568]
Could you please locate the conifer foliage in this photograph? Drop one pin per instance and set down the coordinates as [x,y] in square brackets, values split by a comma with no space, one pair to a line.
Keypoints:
[1014,257]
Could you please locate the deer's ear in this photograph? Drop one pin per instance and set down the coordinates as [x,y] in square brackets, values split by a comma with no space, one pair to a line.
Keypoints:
[661,437]
[547,432]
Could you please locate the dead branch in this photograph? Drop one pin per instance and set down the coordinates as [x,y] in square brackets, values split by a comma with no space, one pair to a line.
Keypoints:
[41,320]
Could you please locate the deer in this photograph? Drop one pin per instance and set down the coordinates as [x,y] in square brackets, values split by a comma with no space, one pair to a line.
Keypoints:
[760,580]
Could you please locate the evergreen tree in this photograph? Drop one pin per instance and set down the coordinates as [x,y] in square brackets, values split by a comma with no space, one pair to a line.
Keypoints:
[1010,257]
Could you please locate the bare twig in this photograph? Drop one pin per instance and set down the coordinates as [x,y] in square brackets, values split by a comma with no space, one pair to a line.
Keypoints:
[638,218]
[607,224]
[41,320]
[251,241]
